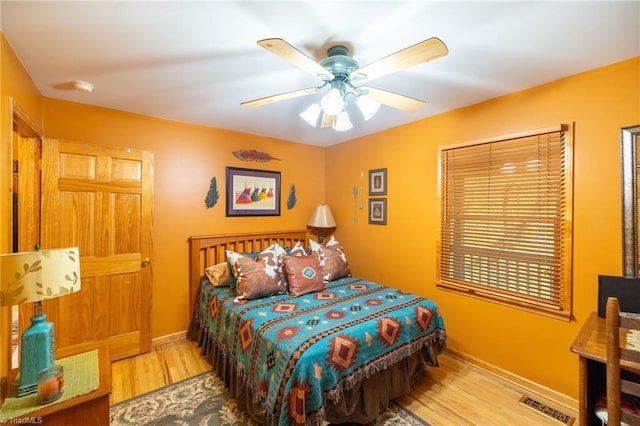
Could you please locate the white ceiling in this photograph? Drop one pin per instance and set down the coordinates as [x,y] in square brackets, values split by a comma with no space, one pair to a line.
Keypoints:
[196,62]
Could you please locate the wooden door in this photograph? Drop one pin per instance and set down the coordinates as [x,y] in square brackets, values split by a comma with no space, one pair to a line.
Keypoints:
[99,199]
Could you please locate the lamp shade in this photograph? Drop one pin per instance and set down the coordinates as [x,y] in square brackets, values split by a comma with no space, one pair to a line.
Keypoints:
[367,106]
[311,114]
[322,217]
[342,122]
[38,275]
[332,103]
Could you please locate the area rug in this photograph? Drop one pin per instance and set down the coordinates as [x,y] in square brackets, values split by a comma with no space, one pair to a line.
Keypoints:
[203,400]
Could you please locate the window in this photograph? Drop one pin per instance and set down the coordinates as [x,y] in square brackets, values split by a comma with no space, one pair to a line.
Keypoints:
[505,220]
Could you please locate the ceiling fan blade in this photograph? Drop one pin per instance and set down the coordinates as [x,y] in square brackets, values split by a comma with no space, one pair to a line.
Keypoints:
[391,99]
[281,48]
[424,51]
[280,97]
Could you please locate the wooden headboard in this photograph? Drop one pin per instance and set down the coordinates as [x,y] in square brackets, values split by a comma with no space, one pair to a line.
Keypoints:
[207,250]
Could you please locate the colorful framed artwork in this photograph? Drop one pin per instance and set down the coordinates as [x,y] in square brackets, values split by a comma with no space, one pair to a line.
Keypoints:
[252,192]
[378,182]
[377,211]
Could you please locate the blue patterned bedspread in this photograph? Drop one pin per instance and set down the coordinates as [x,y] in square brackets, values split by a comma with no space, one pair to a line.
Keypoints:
[294,352]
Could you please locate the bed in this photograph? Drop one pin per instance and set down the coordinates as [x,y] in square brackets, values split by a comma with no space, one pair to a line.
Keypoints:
[337,354]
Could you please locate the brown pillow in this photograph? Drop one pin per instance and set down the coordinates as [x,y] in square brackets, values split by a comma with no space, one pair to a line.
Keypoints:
[258,277]
[303,274]
[333,260]
[296,250]
[218,274]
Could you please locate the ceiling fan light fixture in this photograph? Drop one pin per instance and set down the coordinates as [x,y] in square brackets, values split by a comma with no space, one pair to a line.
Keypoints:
[367,107]
[340,72]
[332,103]
[311,114]
[342,122]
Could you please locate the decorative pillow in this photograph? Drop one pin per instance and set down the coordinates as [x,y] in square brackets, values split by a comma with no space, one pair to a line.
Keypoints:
[315,246]
[258,277]
[233,276]
[297,250]
[333,260]
[303,274]
[218,274]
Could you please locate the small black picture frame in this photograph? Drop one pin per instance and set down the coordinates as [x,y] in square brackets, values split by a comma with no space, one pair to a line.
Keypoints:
[377,211]
[252,192]
[377,182]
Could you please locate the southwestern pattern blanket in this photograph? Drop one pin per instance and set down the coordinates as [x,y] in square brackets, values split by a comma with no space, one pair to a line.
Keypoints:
[296,352]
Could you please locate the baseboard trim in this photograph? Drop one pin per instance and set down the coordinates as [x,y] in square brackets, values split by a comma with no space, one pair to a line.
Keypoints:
[531,386]
[169,338]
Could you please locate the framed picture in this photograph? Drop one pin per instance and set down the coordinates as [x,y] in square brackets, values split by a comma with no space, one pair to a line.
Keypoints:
[252,192]
[377,211]
[378,182]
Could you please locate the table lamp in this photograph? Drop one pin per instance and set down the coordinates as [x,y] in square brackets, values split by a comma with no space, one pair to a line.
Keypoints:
[321,219]
[33,277]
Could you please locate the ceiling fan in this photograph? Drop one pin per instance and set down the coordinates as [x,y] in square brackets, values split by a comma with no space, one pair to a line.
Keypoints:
[344,76]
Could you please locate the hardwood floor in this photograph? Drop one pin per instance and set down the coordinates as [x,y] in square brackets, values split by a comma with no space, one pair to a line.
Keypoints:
[164,365]
[456,393]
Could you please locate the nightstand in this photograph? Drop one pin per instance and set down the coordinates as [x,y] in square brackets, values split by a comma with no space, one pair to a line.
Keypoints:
[591,345]
[90,408]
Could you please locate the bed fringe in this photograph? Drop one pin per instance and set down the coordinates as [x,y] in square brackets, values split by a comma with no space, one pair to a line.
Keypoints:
[387,360]
[432,345]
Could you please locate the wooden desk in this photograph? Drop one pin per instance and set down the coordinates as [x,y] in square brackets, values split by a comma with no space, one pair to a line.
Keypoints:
[91,408]
[591,345]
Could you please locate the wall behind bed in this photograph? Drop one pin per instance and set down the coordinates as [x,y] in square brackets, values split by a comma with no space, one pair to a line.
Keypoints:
[402,253]
[186,158]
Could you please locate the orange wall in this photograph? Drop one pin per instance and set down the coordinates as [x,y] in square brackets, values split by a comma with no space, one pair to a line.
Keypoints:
[15,83]
[402,253]
[186,158]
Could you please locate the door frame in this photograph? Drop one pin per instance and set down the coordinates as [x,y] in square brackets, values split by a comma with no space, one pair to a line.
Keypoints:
[24,126]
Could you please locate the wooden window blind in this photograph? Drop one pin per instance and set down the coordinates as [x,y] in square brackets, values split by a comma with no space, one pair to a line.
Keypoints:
[505,220]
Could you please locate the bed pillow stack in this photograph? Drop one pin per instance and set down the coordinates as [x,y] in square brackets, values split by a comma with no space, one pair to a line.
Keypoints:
[277,270]
[264,274]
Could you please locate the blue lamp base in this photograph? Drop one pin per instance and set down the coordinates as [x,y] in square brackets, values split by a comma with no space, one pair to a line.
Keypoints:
[37,352]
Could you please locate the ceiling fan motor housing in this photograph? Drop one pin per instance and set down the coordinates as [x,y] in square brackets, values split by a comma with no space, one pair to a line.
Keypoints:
[338,62]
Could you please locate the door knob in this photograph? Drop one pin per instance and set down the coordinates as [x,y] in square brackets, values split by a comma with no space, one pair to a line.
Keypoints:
[145,262]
